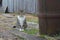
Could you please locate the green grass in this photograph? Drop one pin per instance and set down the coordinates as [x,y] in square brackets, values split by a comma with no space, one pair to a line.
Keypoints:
[31,31]
[32,20]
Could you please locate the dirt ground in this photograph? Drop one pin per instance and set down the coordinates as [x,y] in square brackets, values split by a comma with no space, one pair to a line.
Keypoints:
[6,22]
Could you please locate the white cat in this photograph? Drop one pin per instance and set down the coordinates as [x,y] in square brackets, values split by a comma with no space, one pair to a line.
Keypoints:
[21,21]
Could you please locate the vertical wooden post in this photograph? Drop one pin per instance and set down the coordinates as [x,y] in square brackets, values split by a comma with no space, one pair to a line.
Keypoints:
[49,16]
[42,17]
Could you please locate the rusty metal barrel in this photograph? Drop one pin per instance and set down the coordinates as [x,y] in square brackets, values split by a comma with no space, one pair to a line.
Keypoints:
[49,16]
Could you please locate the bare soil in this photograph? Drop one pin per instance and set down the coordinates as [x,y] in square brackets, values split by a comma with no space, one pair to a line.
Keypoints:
[6,22]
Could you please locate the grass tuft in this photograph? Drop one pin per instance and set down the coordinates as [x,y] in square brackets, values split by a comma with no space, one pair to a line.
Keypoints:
[31,31]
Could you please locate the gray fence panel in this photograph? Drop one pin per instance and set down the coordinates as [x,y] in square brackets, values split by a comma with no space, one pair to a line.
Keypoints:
[30,6]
